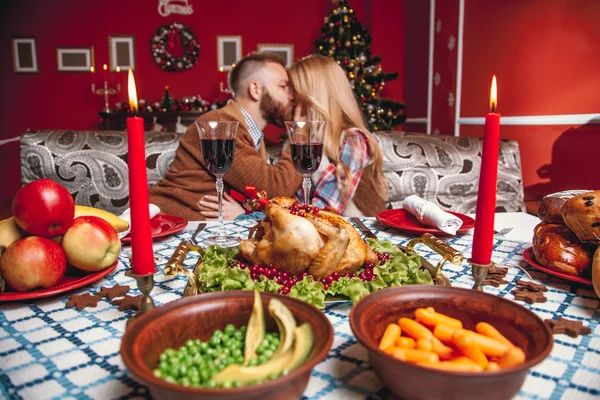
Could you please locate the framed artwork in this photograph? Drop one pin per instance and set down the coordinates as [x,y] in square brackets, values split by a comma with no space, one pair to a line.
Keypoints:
[24,55]
[229,51]
[285,51]
[121,52]
[75,59]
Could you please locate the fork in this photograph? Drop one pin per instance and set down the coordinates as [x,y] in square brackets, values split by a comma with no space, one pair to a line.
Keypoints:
[199,229]
[502,232]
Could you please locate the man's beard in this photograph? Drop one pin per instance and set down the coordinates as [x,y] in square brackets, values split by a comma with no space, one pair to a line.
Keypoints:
[273,112]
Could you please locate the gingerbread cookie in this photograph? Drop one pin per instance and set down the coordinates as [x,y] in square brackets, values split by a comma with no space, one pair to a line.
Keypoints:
[81,301]
[531,286]
[529,297]
[112,292]
[129,303]
[568,327]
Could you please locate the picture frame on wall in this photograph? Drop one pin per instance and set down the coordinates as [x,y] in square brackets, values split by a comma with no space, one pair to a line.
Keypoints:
[24,55]
[285,51]
[121,52]
[229,51]
[74,59]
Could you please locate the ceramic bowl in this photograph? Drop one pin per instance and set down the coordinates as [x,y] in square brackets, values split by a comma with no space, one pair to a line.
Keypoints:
[371,315]
[171,325]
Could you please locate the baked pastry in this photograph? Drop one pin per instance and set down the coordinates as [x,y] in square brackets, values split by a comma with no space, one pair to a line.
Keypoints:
[582,215]
[557,248]
[550,206]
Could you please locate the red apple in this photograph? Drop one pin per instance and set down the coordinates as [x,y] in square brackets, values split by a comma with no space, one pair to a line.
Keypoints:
[91,243]
[31,262]
[44,208]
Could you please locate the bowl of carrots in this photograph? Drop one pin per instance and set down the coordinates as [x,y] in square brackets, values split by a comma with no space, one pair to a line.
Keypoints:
[435,342]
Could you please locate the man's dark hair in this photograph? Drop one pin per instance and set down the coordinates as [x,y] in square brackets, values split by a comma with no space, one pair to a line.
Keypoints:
[248,65]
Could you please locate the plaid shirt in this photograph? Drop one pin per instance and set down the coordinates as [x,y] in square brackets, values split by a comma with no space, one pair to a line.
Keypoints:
[354,153]
[254,130]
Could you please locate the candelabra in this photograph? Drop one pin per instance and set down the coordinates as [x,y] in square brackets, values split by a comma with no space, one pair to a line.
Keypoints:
[223,89]
[106,91]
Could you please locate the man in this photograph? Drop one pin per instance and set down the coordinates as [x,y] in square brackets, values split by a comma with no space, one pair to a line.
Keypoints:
[261,95]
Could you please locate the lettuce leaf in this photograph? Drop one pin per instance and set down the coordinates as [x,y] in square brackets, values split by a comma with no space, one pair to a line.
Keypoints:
[309,290]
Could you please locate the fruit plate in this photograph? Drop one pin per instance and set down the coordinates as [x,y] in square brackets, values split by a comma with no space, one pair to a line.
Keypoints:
[530,258]
[408,223]
[163,225]
[73,279]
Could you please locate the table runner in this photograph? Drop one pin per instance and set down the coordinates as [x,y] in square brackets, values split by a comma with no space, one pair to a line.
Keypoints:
[49,351]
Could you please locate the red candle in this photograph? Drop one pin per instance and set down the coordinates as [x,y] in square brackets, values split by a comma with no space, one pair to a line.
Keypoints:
[105,67]
[141,235]
[118,69]
[221,77]
[483,238]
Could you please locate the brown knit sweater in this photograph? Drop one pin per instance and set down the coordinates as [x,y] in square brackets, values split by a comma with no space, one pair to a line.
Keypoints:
[187,179]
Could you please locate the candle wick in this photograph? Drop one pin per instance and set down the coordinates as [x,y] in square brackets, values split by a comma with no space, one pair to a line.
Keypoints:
[493,107]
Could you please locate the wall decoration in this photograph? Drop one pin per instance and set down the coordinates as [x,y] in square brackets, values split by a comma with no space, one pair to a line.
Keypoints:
[121,52]
[285,51]
[24,55]
[229,51]
[174,47]
[168,7]
[71,59]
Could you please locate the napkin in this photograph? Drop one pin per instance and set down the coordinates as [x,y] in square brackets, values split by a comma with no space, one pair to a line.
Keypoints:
[154,211]
[430,214]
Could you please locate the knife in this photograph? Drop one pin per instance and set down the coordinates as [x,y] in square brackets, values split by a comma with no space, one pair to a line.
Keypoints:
[364,229]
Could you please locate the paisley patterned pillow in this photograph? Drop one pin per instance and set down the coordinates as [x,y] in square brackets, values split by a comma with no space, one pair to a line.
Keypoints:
[445,170]
[92,165]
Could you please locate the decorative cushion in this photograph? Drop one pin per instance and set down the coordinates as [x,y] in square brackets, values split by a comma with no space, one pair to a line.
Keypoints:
[445,170]
[92,165]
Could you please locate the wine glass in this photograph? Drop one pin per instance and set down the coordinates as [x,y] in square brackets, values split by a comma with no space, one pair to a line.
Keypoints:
[217,139]
[306,145]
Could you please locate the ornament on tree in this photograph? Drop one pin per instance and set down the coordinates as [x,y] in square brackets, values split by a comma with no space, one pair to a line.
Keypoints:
[346,40]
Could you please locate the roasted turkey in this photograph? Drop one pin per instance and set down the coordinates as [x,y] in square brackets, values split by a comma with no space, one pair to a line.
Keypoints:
[295,241]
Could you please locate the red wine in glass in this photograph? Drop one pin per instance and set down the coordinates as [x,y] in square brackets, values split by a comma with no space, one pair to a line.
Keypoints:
[218,154]
[307,156]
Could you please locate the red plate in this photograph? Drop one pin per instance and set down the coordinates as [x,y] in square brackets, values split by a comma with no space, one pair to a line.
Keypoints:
[530,258]
[406,222]
[163,225]
[73,279]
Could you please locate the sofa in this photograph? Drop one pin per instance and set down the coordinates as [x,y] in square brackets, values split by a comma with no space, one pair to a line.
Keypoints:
[92,165]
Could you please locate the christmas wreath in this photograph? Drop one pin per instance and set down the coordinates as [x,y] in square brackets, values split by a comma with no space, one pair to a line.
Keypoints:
[174,47]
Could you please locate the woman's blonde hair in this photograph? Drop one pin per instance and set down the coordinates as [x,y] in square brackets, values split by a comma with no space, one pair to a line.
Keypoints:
[322,86]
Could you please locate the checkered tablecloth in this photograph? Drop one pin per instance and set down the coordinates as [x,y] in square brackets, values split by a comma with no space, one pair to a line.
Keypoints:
[49,351]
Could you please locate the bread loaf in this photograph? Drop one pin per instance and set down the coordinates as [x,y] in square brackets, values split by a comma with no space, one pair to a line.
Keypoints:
[596,272]
[582,215]
[550,206]
[557,248]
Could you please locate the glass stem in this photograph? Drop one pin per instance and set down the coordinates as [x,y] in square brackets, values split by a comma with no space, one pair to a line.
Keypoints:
[306,185]
[221,230]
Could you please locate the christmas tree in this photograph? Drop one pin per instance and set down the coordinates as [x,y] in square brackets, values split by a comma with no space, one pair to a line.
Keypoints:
[346,40]
[167,100]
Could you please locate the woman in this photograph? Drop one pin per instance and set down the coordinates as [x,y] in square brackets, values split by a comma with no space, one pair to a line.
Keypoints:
[350,180]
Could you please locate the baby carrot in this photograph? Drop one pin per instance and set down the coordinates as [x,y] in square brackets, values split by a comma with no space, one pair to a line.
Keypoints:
[424,344]
[488,330]
[492,366]
[433,318]
[405,342]
[443,332]
[392,332]
[490,347]
[461,364]
[414,356]
[414,329]
[466,345]
[513,356]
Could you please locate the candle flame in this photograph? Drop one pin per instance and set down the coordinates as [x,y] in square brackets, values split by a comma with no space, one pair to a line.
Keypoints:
[493,95]
[105,67]
[220,69]
[133,103]
[118,69]
[92,70]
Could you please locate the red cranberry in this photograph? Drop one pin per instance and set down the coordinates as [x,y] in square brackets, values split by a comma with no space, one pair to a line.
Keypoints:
[335,276]
[253,276]
[329,279]
[242,266]
[301,214]
[285,290]
[326,286]
[315,211]
[303,274]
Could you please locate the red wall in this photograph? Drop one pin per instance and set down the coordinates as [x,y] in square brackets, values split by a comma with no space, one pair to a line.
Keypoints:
[64,100]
